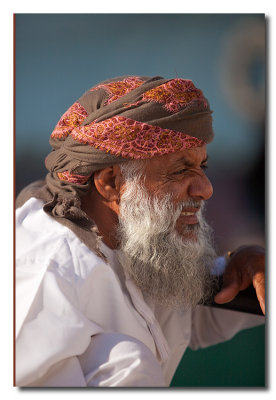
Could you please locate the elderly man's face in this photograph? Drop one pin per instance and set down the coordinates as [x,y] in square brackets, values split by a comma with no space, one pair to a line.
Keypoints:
[165,242]
[182,175]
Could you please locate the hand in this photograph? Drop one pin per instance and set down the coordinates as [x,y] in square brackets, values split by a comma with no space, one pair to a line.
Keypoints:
[245,267]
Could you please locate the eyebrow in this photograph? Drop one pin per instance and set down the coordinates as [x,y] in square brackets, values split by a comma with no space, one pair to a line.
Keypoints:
[184,161]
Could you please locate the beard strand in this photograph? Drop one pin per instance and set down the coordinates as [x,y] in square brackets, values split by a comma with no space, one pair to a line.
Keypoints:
[171,270]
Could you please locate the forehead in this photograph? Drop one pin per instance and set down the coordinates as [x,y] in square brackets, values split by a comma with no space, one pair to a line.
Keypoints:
[194,156]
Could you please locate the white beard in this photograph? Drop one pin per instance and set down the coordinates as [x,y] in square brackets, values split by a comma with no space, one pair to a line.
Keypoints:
[173,271]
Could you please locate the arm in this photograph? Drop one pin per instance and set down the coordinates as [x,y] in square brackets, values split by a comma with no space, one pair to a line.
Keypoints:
[111,360]
[118,360]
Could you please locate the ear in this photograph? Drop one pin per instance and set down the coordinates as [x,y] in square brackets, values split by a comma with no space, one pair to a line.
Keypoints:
[108,183]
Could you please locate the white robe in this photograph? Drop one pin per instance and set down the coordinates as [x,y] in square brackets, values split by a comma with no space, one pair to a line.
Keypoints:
[80,322]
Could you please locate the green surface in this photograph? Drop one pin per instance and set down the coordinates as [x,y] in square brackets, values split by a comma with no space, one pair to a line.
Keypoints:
[239,362]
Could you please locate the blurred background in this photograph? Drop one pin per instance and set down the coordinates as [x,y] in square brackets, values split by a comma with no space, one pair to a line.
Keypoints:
[60,56]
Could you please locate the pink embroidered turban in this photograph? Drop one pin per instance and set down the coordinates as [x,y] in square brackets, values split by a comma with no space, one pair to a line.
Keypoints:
[120,119]
[130,118]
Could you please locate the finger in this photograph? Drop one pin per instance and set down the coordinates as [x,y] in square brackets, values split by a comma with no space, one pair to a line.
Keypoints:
[259,285]
[227,293]
[230,288]
[262,305]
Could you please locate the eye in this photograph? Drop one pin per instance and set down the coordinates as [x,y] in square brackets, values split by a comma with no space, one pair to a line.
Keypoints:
[181,171]
[204,167]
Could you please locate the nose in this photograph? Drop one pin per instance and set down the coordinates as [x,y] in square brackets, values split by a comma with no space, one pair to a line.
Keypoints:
[200,188]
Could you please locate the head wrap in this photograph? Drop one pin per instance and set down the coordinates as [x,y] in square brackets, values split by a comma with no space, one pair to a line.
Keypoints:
[124,118]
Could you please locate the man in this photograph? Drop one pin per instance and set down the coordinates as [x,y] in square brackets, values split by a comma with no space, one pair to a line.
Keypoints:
[114,257]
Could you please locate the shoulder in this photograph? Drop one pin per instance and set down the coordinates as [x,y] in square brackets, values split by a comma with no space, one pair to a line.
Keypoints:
[46,249]
[41,237]
[36,231]
[53,263]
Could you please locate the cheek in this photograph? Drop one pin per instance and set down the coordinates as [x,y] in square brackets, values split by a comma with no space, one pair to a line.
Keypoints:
[178,190]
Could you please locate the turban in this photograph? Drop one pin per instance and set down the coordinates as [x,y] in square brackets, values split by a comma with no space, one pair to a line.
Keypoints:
[129,117]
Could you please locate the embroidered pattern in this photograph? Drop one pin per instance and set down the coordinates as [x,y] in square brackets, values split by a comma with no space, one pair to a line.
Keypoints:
[66,176]
[120,88]
[175,94]
[132,139]
[72,118]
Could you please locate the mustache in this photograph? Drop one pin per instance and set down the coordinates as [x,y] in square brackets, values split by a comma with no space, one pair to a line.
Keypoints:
[192,203]
[188,204]
[172,206]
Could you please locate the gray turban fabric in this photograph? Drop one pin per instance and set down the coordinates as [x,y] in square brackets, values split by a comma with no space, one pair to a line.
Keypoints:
[129,117]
